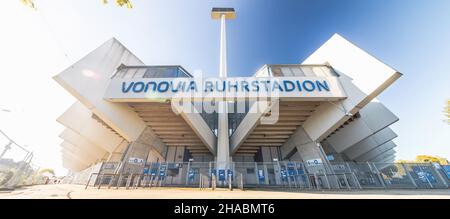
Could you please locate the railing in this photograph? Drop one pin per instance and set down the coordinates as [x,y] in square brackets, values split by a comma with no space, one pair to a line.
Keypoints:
[283,174]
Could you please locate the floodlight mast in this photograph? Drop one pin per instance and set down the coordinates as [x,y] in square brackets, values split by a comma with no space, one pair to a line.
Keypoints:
[223,142]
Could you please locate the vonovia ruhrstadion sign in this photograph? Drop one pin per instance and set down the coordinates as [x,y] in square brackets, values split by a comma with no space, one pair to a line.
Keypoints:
[298,88]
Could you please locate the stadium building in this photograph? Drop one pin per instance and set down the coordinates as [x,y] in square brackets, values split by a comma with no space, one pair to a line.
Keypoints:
[320,111]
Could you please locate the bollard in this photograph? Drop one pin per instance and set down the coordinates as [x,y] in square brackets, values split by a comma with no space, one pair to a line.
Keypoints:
[242,182]
[213,183]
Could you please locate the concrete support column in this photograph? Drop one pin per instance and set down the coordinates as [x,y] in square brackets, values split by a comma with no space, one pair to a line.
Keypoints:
[223,138]
[307,149]
[311,151]
[147,144]
[223,146]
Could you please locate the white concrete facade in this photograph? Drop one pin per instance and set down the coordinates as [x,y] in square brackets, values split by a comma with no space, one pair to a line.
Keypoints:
[374,118]
[354,127]
[376,140]
[79,119]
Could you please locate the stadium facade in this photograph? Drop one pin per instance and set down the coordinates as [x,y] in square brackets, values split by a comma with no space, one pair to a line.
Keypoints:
[319,111]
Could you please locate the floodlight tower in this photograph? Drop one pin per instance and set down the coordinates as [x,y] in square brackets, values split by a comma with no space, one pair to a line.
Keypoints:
[223,145]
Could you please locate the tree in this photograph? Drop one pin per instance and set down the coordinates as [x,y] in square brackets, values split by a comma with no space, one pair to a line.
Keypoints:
[447,111]
[29,3]
[121,3]
[46,170]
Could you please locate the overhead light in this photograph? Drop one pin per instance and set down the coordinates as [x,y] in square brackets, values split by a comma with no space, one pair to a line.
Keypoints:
[216,13]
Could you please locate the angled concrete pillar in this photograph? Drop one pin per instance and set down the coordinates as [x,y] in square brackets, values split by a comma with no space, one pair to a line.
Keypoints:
[193,118]
[302,146]
[310,151]
[146,147]
[249,123]
[300,137]
[117,155]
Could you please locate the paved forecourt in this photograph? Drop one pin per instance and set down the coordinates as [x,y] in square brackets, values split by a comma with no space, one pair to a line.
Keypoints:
[78,192]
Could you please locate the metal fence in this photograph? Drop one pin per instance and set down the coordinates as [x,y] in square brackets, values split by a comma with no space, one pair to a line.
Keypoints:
[282,174]
[16,166]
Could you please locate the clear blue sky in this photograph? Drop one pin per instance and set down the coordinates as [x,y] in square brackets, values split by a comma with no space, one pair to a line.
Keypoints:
[410,35]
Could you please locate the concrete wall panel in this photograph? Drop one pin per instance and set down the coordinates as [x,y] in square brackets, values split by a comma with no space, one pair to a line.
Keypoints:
[383,155]
[79,119]
[376,151]
[88,79]
[374,117]
[84,145]
[362,77]
[78,153]
[370,143]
